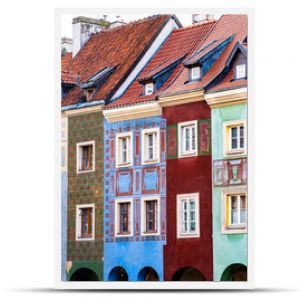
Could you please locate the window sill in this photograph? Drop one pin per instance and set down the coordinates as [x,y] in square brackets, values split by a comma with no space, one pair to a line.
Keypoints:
[124,165]
[150,233]
[238,226]
[235,152]
[149,162]
[187,154]
[123,234]
[85,171]
[85,238]
[187,236]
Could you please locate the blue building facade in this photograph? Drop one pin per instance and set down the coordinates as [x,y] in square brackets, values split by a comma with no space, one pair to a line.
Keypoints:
[136,255]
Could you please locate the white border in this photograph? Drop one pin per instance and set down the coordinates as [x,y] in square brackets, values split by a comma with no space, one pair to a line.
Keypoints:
[143,218]
[209,285]
[183,124]
[79,206]
[179,197]
[78,145]
[131,211]
[157,148]
[121,135]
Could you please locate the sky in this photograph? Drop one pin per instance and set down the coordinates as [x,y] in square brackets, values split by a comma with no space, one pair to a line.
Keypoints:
[66,20]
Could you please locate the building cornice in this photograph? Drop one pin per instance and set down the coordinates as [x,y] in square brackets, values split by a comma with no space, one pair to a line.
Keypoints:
[133,112]
[182,98]
[82,111]
[227,98]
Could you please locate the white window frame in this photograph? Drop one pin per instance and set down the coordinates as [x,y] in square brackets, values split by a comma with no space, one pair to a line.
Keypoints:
[227,150]
[195,73]
[78,222]
[147,85]
[235,228]
[179,199]
[64,143]
[78,156]
[143,215]
[156,148]
[240,68]
[183,153]
[117,217]
[130,149]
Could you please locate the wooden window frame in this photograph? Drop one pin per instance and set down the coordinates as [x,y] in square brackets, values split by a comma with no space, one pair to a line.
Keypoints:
[192,75]
[181,139]
[89,93]
[146,90]
[236,77]
[157,217]
[227,138]
[226,226]
[79,222]
[156,147]
[79,156]
[120,136]
[118,203]
[179,199]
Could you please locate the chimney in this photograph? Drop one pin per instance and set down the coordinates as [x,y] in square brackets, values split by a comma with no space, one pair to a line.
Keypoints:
[66,44]
[83,28]
[118,22]
[198,18]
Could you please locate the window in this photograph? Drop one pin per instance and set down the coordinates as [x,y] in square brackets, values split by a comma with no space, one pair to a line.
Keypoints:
[124,149]
[240,71]
[151,145]
[149,88]
[195,73]
[234,210]
[123,217]
[150,215]
[85,222]
[234,137]
[89,94]
[188,215]
[85,157]
[188,139]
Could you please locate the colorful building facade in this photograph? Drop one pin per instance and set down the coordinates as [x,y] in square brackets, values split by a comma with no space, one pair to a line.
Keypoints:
[157,160]
[135,199]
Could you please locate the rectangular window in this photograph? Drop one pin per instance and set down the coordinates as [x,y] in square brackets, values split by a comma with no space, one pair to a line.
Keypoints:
[240,71]
[85,222]
[124,217]
[234,137]
[149,88]
[150,215]
[85,157]
[188,138]
[188,215]
[150,144]
[195,73]
[124,149]
[236,208]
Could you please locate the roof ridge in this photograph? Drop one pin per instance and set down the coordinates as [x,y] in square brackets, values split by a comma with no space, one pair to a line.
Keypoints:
[192,26]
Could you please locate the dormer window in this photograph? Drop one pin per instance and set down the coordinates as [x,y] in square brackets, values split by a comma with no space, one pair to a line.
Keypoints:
[149,88]
[195,73]
[240,71]
[89,94]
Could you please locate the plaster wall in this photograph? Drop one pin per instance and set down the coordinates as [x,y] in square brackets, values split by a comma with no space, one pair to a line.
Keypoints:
[227,248]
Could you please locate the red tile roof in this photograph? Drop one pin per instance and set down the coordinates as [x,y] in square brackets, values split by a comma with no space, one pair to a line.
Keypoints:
[227,25]
[66,75]
[181,42]
[121,47]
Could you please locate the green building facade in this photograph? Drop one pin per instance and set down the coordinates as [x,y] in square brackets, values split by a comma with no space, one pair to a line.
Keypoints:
[85,197]
[229,160]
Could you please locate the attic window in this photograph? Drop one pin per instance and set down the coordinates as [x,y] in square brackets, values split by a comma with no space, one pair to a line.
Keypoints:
[240,71]
[195,73]
[149,88]
[89,94]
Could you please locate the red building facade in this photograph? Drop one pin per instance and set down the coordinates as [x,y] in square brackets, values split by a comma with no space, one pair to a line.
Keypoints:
[185,257]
